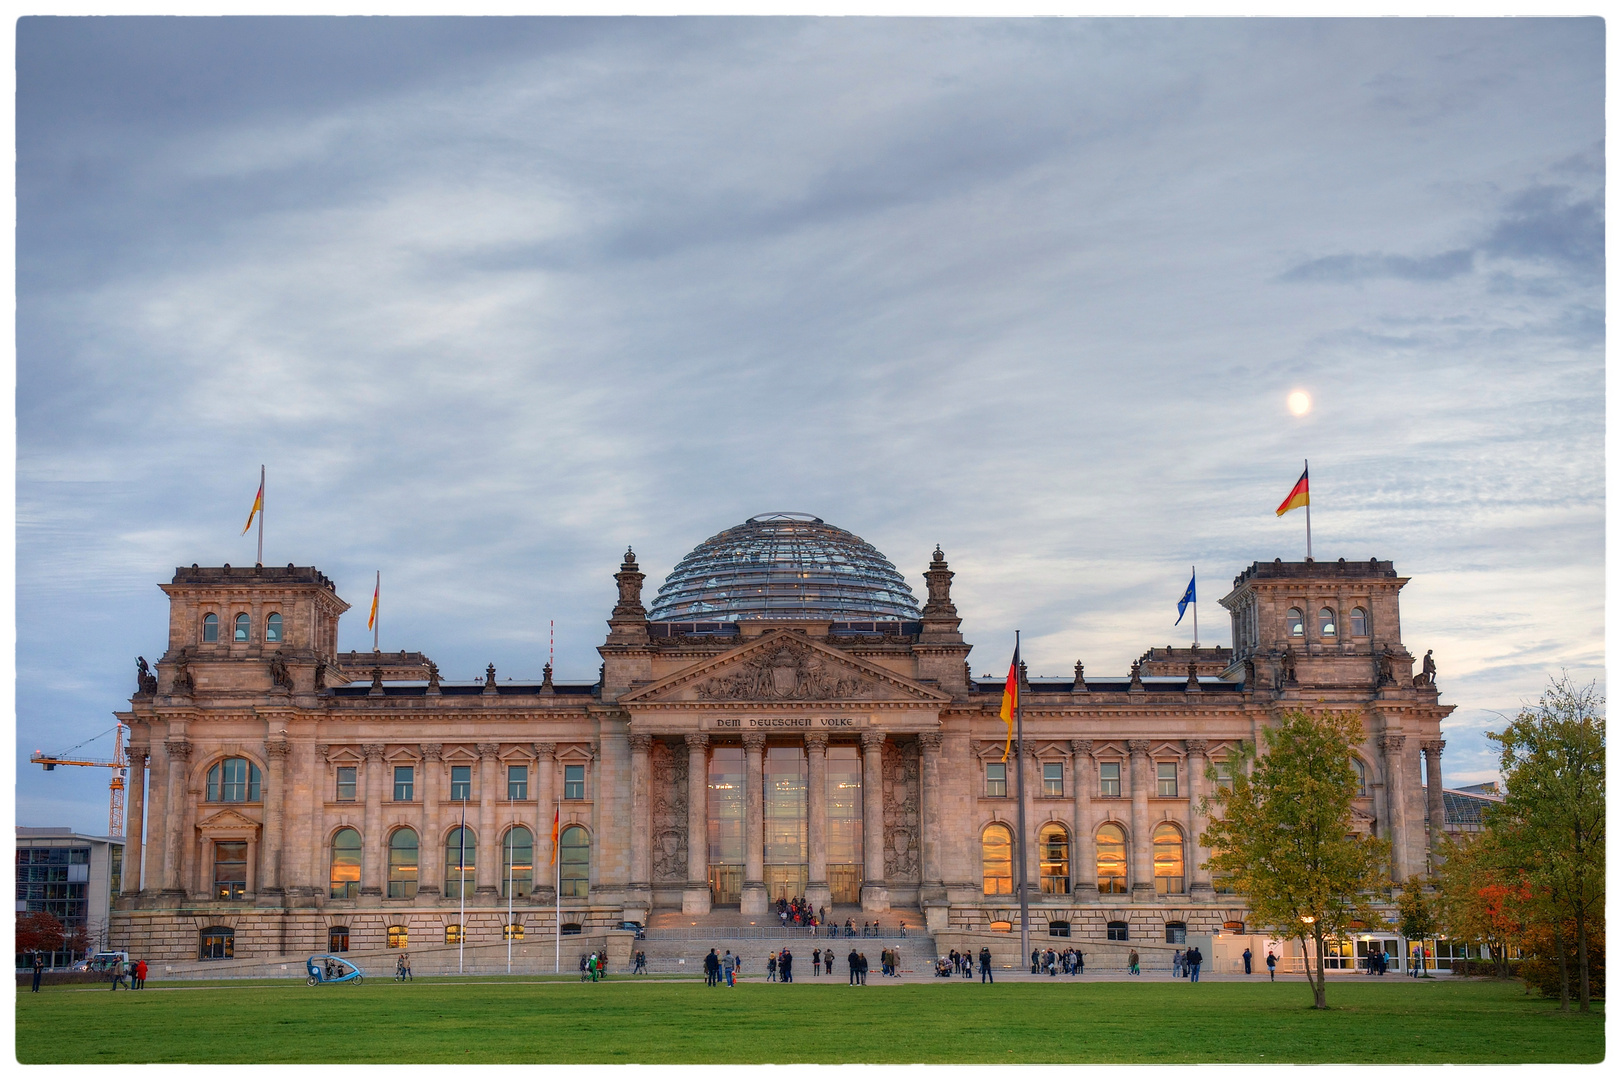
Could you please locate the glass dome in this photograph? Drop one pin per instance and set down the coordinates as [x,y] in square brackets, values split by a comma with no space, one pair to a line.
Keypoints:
[784,566]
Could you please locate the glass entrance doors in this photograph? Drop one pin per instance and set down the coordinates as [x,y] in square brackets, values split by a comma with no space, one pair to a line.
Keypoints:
[784,809]
[727,779]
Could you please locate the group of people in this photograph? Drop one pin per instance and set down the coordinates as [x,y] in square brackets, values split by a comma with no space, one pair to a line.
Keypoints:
[797,911]
[954,964]
[131,973]
[779,967]
[1187,964]
[594,966]
[402,967]
[722,970]
[1051,962]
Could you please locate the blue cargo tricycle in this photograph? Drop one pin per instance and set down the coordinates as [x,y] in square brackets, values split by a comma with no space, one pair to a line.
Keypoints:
[332,969]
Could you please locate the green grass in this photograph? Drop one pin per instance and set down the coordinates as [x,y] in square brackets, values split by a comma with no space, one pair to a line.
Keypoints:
[621,1021]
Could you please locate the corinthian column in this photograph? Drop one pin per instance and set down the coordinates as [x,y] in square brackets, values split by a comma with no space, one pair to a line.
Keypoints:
[817,893]
[1198,875]
[159,816]
[754,895]
[929,744]
[131,881]
[695,897]
[173,835]
[874,893]
[1084,872]
[1390,747]
[430,845]
[545,868]
[270,851]
[371,850]
[641,822]
[1432,788]
[488,870]
[1142,848]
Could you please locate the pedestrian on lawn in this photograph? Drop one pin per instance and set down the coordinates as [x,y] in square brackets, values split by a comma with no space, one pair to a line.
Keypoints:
[1132,963]
[1176,964]
[816,962]
[1271,967]
[39,968]
[1195,962]
[853,961]
[785,966]
[1246,960]
[118,975]
[985,975]
[140,975]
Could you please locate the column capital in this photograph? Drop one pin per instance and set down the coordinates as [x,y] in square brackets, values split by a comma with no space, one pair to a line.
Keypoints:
[321,750]
[372,751]
[277,748]
[1433,746]
[816,741]
[1081,747]
[545,749]
[1197,746]
[697,740]
[640,741]
[431,751]
[1392,744]
[1138,747]
[754,740]
[931,741]
[487,749]
[872,740]
[137,755]
[177,748]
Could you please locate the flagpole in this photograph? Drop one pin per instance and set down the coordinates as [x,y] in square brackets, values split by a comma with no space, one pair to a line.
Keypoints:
[509,880]
[261,559]
[1024,883]
[1196,608]
[461,887]
[377,617]
[557,892]
[1306,472]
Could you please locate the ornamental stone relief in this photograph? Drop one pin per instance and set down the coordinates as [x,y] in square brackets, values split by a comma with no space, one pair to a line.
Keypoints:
[669,776]
[901,824]
[784,674]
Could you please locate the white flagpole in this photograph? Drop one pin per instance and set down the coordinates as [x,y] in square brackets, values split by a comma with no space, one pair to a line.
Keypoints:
[509,882]
[261,559]
[557,894]
[461,887]
[1306,471]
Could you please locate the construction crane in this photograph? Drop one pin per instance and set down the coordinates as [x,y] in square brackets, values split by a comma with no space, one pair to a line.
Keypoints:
[119,765]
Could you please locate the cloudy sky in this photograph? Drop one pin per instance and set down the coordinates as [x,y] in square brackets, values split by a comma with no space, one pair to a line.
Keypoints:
[492,299]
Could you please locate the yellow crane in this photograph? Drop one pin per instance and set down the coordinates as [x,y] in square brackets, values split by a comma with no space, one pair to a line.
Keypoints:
[119,764]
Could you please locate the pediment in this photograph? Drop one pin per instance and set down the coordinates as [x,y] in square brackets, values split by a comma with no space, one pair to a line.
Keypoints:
[783,666]
[228,821]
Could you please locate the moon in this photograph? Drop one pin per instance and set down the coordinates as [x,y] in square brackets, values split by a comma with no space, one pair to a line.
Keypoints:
[1300,403]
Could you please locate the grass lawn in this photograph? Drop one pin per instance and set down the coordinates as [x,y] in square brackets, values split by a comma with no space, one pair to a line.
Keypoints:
[621,1021]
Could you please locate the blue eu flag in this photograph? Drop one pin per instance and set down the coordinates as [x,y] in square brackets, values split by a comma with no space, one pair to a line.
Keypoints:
[1187,598]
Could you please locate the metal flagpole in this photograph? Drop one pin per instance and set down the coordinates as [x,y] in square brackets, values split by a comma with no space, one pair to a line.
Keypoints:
[1024,883]
[509,881]
[1307,473]
[377,619]
[1196,605]
[557,892]
[461,887]
[261,559]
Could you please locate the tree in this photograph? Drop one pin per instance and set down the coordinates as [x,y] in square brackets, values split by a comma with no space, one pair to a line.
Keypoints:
[1478,899]
[39,931]
[1283,834]
[1417,920]
[1550,825]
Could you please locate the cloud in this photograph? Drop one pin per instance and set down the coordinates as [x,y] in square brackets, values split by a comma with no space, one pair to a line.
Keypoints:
[1548,224]
[1339,268]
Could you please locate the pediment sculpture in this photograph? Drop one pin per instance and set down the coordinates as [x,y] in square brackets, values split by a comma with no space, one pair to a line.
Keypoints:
[785,674]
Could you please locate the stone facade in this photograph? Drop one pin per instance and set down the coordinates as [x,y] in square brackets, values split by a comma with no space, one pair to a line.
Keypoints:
[324,742]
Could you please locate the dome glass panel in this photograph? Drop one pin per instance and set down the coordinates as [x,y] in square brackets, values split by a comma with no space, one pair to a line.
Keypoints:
[784,566]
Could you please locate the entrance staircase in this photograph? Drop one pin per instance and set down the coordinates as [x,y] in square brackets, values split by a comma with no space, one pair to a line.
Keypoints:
[677,943]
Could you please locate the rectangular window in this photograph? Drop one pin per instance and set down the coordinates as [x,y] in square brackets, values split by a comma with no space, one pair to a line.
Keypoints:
[573,781]
[1109,779]
[995,780]
[346,783]
[1166,770]
[1224,774]
[1052,778]
[404,783]
[517,782]
[461,783]
[230,869]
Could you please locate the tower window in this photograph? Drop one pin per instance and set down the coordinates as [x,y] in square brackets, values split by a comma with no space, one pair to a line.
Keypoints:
[241,631]
[517,782]
[1295,621]
[233,780]
[211,627]
[1359,622]
[273,627]
[995,780]
[1165,773]
[346,783]
[1325,623]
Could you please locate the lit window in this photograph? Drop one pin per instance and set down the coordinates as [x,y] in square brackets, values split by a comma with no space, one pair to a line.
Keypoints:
[241,631]
[230,869]
[1176,933]
[1052,778]
[995,780]
[345,878]
[218,943]
[517,782]
[512,932]
[1295,623]
[574,857]
[346,783]
[1001,926]
[1232,927]
[398,937]
[1119,931]
[573,781]
[337,939]
[1111,842]
[996,858]
[453,934]
[461,783]
[1054,842]
[1325,623]
[517,862]
[461,849]
[273,627]
[1109,779]
[1165,771]
[233,780]
[402,865]
[404,782]
[1168,867]
[211,627]
[1359,622]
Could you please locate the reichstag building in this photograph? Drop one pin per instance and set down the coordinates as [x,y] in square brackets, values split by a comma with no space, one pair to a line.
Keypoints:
[784,720]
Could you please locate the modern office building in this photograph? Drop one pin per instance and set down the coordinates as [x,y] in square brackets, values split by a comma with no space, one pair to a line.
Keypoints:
[73,877]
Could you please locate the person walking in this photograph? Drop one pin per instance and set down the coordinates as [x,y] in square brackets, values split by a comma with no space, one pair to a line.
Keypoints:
[118,975]
[1271,966]
[854,963]
[1247,957]
[39,968]
[402,968]
[1132,964]
[1194,961]
[985,975]
[903,928]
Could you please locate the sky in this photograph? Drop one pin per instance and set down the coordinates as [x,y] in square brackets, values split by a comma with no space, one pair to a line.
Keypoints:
[492,299]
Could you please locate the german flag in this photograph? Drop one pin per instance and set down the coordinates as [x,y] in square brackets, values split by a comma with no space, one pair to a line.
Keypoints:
[1299,495]
[258,507]
[1010,700]
[556,816]
[371,620]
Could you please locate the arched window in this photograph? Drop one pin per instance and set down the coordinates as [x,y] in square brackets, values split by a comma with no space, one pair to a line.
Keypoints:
[1054,841]
[1325,623]
[345,878]
[398,937]
[1359,622]
[1168,867]
[337,939]
[1295,623]
[517,862]
[453,934]
[233,780]
[211,627]
[1176,933]
[218,943]
[1119,931]
[574,859]
[241,631]
[1111,859]
[996,858]
[402,864]
[273,626]
[461,846]
[1361,777]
